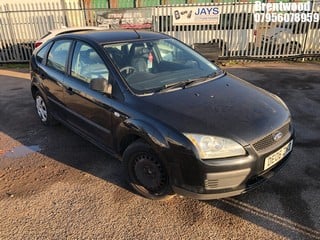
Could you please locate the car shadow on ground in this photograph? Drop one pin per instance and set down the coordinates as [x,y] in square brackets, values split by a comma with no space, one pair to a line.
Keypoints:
[288,204]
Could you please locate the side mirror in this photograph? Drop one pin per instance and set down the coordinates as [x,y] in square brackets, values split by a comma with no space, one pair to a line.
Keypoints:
[101,85]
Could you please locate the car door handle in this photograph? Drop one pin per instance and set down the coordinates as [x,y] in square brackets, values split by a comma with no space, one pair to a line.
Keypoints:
[70,91]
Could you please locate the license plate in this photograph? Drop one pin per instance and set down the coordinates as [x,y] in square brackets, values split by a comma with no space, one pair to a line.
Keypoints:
[278,155]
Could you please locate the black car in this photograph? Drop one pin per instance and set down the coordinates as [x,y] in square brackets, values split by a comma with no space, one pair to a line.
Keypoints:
[178,122]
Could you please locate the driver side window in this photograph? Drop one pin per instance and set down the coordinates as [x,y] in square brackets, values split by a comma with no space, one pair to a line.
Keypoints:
[87,64]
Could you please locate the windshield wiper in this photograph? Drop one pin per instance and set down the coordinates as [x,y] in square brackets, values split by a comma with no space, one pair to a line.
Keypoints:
[211,75]
[187,83]
[169,86]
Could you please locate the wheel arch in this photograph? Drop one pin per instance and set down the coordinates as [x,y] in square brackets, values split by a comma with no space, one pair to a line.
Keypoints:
[34,90]
[133,129]
[127,140]
[35,87]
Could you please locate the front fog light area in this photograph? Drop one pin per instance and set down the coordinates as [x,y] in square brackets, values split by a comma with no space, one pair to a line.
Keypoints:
[210,147]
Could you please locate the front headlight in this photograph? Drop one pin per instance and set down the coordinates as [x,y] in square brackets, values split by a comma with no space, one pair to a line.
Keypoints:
[215,147]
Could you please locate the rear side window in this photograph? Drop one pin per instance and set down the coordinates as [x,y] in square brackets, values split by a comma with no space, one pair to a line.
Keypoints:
[42,52]
[58,55]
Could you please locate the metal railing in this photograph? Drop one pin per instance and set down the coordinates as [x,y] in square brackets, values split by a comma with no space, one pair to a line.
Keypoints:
[22,24]
[241,35]
[237,32]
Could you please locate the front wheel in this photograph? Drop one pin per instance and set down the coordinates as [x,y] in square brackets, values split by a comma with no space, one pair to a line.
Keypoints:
[147,174]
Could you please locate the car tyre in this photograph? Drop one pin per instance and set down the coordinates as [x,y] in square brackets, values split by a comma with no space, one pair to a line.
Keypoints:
[42,110]
[146,172]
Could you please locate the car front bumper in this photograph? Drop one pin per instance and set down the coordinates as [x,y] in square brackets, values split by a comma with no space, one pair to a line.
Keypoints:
[220,178]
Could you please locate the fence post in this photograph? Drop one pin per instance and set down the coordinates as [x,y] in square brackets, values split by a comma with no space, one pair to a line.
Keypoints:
[308,32]
[12,35]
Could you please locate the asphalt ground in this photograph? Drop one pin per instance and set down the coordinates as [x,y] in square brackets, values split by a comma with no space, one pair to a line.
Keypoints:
[56,185]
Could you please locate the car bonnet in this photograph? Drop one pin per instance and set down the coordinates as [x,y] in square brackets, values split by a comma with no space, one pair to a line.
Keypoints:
[226,107]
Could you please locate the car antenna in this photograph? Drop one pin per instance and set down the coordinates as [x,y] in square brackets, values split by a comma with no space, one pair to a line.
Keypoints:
[137,33]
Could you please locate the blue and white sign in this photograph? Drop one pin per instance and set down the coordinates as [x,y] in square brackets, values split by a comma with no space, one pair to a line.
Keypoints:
[196,15]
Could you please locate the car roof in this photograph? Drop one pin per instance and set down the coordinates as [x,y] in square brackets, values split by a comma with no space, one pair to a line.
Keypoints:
[109,36]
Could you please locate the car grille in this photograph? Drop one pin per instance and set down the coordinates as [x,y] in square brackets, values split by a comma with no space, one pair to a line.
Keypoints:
[268,141]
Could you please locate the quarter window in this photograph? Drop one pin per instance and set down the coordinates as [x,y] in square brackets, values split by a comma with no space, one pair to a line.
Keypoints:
[42,52]
[87,64]
[58,55]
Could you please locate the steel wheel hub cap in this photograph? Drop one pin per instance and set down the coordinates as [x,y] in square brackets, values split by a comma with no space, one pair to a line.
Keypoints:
[41,109]
[149,172]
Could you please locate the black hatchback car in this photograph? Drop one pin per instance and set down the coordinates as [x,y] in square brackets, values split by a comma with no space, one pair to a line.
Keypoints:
[178,122]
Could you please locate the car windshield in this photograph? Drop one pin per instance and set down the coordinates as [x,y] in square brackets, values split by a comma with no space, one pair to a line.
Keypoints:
[159,65]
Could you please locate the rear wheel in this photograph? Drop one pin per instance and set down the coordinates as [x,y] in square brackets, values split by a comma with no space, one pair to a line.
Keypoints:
[147,174]
[42,110]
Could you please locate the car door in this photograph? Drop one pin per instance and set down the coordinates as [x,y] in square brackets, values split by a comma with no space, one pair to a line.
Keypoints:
[88,110]
[52,71]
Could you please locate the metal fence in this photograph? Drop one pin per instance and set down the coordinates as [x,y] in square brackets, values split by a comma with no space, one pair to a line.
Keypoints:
[244,33]
[22,24]
[237,31]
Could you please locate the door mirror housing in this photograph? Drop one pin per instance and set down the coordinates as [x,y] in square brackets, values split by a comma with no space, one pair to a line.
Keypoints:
[101,85]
